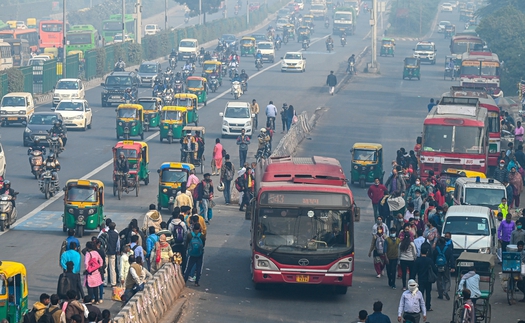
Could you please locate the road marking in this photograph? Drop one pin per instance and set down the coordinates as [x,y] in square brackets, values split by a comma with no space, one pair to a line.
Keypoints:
[42,206]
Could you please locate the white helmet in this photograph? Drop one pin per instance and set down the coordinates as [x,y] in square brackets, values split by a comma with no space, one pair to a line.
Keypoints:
[263,130]
[220,187]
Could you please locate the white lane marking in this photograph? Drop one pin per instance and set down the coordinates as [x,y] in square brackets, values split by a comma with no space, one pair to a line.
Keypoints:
[42,206]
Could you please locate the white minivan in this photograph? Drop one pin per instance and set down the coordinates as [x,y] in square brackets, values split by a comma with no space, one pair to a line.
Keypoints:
[16,107]
[237,116]
[473,229]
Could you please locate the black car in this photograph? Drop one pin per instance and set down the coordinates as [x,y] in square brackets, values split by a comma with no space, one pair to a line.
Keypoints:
[115,86]
[229,39]
[38,126]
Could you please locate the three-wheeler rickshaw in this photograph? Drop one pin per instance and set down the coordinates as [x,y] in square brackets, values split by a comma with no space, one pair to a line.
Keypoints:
[137,154]
[191,102]
[213,67]
[151,108]
[124,182]
[172,120]
[484,266]
[248,46]
[83,205]
[172,176]
[198,85]
[291,32]
[388,47]
[450,31]
[308,20]
[195,155]
[130,121]
[367,163]
[14,291]
[412,68]
[303,33]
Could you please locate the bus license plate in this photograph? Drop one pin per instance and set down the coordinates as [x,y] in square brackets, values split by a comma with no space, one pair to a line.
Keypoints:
[12,118]
[302,278]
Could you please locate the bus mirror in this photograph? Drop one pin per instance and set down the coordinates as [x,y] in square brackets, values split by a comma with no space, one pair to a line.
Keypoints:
[158,171]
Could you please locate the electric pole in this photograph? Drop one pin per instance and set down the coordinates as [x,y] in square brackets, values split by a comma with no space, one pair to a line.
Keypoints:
[64,54]
[138,11]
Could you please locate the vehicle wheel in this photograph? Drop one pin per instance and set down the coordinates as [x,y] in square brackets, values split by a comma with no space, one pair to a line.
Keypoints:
[488,313]
[511,289]
[146,127]
[85,125]
[2,225]
[247,215]
[419,78]
[146,180]
[142,136]
[26,144]
[47,193]
[410,78]
[340,290]
[205,103]
[90,123]
[444,77]
[170,140]
[104,104]
[119,189]
[159,207]
[160,138]
[79,230]
[137,188]
[235,96]
[362,183]
[118,137]
[170,207]
[258,286]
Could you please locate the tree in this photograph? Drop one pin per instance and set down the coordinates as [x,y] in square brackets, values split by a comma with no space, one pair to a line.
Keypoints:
[208,6]
[495,5]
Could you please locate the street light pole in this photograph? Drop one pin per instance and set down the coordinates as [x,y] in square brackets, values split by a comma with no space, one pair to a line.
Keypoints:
[200,12]
[123,21]
[64,54]
[374,34]
[247,14]
[138,32]
[165,14]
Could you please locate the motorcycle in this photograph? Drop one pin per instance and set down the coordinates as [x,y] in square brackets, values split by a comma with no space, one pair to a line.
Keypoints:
[326,24]
[236,90]
[167,97]
[173,62]
[258,64]
[36,161]
[244,86]
[186,20]
[119,67]
[350,69]
[232,71]
[200,60]
[329,47]
[178,86]
[8,212]
[277,44]
[263,153]
[305,44]
[285,39]
[343,41]
[54,144]
[214,83]
[186,74]
[48,184]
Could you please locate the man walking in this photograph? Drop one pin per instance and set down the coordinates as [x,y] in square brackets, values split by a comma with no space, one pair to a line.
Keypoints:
[431,105]
[411,304]
[331,81]
[392,255]
[254,108]
[505,232]
[445,264]
[376,192]
[377,316]
[195,245]
[227,173]
[271,113]
[205,195]
[423,266]
[113,248]
[243,141]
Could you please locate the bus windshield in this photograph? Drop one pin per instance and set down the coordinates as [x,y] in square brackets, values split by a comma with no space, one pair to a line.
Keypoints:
[470,68]
[460,47]
[81,194]
[489,68]
[452,139]
[484,196]
[494,122]
[112,25]
[79,39]
[52,27]
[302,230]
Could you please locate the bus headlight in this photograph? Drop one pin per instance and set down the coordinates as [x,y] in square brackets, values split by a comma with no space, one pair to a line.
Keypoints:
[343,265]
[263,263]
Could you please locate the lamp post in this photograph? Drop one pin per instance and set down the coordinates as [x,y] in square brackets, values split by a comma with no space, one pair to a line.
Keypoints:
[247,14]
[165,14]
[123,21]
[200,12]
[64,54]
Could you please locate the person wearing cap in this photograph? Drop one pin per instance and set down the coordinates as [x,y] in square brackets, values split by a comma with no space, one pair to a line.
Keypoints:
[501,173]
[412,304]
[254,108]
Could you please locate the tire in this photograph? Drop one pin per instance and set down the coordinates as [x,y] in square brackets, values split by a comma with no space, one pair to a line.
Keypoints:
[362,183]
[160,138]
[146,127]
[2,225]
[146,180]
[79,231]
[119,189]
[171,207]
[205,103]
[142,136]
[64,229]
[159,207]
[247,216]
[104,104]
[47,193]
[511,290]
[90,123]
[137,188]
[26,144]
[419,78]
[85,125]
[170,140]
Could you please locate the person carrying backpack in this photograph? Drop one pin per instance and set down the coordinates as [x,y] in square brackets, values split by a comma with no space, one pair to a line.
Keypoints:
[38,310]
[151,240]
[444,263]
[378,247]
[227,172]
[69,281]
[195,245]
[179,231]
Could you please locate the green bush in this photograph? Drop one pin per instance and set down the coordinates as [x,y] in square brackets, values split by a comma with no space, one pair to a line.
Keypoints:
[101,61]
[15,79]
[412,17]
[134,54]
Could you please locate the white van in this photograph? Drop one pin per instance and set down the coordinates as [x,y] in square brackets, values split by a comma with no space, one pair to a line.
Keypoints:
[151,29]
[482,192]
[472,228]
[67,89]
[16,107]
[188,47]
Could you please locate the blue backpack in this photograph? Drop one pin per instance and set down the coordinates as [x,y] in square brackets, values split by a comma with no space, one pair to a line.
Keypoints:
[196,247]
[441,259]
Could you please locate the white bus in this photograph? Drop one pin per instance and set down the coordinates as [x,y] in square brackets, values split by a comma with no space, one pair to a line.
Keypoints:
[6,57]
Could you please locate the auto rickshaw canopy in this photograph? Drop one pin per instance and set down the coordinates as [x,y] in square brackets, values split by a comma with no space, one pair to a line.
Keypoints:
[81,196]
[388,42]
[366,152]
[129,111]
[196,83]
[210,66]
[247,41]
[150,104]
[195,128]
[188,100]
[12,268]
[303,30]
[173,114]
[176,165]
[132,149]
[412,62]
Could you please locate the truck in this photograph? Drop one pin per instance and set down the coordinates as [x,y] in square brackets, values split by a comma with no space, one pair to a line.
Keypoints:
[356,4]
[344,20]
[318,10]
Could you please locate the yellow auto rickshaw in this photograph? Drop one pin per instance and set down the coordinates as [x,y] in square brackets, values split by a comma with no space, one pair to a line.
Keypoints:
[191,102]
[130,119]
[152,107]
[51,52]
[199,86]
[367,163]
[248,46]
[137,153]
[13,291]
[171,176]
[288,32]
[213,73]
[308,20]
[388,47]
[303,33]
[172,120]
[83,205]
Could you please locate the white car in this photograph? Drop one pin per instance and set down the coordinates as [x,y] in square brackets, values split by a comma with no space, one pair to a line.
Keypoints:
[299,3]
[293,61]
[75,114]
[3,164]
[281,22]
[441,26]
[267,50]
[237,116]
[118,38]
[68,89]
[447,7]
[151,29]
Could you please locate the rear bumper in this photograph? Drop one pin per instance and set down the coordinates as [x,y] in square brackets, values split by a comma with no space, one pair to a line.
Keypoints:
[292,277]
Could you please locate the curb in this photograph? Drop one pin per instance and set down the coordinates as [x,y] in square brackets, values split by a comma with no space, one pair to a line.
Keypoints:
[348,76]
[175,312]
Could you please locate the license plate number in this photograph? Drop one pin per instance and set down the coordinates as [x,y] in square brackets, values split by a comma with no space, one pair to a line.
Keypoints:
[40,137]
[302,278]
[115,97]
[12,118]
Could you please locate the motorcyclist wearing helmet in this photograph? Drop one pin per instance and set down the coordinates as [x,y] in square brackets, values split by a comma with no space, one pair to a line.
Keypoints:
[7,190]
[330,41]
[128,95]
[53,165]
[201,51]
[258,55]
[37,145]
[351,59]
[120,65]
[236,78]
[278,38]
[173,53]
[188,67]
[159,87]
[59,130]
[263,138]
[207,56]
[122,166]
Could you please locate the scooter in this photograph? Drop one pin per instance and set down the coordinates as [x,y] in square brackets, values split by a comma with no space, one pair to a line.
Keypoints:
[214,83]
[258,64]
[173,62]
[329,47]
[277,44]
[236,90]
[8,213]
[263,153]
[178,86]
[305,44]
[48,184]
[326,24]
[36,161]
[343,41]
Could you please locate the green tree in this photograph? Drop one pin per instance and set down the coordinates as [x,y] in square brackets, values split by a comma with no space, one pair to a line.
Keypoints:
[503,31]
[208,6]
[495,5]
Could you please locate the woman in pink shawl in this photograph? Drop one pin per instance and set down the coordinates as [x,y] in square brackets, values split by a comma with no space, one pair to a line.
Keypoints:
[517,182]
[93,262]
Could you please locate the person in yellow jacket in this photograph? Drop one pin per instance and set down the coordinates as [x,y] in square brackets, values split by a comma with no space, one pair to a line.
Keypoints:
[196,218]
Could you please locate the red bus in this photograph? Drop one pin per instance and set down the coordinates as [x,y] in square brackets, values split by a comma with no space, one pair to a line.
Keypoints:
[480,69]
[51,34]
[302,223]
[455,135]
[494,126]
[30,35]
[460,44]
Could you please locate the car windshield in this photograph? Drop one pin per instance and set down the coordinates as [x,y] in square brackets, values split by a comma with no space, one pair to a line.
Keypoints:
[152,27]
[259,37]
[148,105]
[467,225]
[444,23]
[282,21]
[484,196]
[265,46]
[283,12]
[187,43]
[116,80]
[67,85]
[292,56]
[81,194]
[450,139]
[129,153]
[365,155]
[299,231]
[127,113]
[174,176]
[194,83]
[148,68]
[232,112]
[70,106]
[118,37]
[43,119]
[14,101]
[411,62]
[36,62]
[171,115]
[425,47]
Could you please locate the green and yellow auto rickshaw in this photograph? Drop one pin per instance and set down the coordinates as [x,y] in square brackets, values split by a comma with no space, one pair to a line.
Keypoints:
[172,120]
[209,67]
[130,121]
[412,68]
[151,108]
[83,205]
[308,20]
[450,31]
[291,32]
[191,102]
[198,85]
[13,291]
[137,153]
[303,33]
[367,163]
[248,46]
[171,176]
[388,47]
